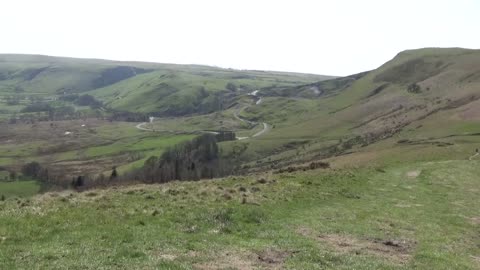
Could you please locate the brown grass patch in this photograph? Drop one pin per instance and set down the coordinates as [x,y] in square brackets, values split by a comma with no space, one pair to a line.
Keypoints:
[396,251]
[470,111]
[166,257]
[273,259]
[476,259]
[414,174]
[475,220]
[228,260]
[267,259]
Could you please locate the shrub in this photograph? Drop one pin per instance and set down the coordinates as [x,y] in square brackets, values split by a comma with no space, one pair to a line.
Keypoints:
[38,107]
[414,88]
[231,87]
[32,169]
[88,100]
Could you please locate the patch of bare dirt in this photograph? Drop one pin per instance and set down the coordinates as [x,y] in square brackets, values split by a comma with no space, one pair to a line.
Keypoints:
[267,259]
[402,205]
[166,257]
[476,259]
[475,220]
[228,260]
[413,174]
[273,259]
[397,251]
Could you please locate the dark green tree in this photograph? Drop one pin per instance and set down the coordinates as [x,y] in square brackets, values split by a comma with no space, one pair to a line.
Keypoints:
[114,173]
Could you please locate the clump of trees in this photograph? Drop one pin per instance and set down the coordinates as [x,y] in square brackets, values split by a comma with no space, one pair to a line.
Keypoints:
[223,136]
[88,100]
[414,88]
[128,116]
[193,160]
[50,113]
[32,169]
[38,172]
[199,158]
[38,107]
[69,97]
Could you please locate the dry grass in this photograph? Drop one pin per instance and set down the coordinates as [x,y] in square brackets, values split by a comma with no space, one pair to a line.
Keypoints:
[398,251]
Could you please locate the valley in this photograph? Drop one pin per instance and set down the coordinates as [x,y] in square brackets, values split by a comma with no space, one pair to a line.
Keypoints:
[240,169]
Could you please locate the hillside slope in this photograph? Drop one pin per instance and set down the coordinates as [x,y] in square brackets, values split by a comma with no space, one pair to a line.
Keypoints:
[409,216]
[409,93]
[135,86]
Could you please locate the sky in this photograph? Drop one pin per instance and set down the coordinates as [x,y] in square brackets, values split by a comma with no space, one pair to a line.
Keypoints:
[338,37]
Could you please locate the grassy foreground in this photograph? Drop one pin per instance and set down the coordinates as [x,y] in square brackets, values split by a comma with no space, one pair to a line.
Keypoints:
[411,216]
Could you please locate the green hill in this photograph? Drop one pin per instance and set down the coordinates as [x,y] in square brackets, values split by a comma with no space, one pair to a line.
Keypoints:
[164,89]
[417,94]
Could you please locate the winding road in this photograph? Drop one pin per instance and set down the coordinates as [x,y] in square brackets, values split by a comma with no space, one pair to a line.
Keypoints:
[141,126]
[266,127]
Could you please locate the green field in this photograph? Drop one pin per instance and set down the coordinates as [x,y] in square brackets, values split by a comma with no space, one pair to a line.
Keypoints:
[19,188]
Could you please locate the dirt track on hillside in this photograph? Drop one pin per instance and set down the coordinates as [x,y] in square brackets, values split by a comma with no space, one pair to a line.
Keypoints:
[266,127]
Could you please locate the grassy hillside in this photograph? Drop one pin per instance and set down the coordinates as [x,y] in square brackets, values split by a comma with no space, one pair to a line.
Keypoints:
[410,216]
[178,93]
[418,94]
[131,86]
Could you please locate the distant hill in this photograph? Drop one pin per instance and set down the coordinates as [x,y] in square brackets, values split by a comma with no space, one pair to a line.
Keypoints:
[164,89]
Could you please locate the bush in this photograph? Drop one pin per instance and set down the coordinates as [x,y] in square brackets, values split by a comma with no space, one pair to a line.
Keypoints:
[13,176]
[231,87]
[88,100]
[11,101]
[71,97]
[38,107]
[32,169]
[414,88]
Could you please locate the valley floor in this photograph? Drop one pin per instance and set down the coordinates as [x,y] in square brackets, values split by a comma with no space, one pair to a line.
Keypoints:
[405,216]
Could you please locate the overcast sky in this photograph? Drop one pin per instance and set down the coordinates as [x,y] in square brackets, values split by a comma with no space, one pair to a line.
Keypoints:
[324,37]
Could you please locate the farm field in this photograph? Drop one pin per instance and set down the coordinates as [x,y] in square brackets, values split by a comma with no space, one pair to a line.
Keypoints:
[82,147]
